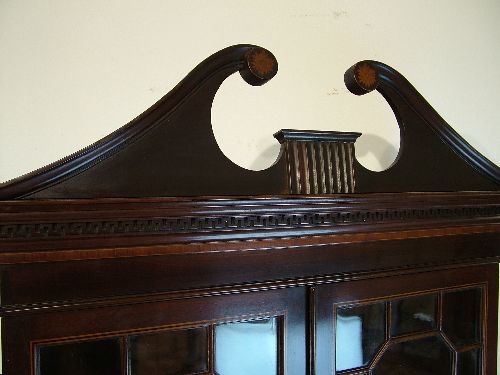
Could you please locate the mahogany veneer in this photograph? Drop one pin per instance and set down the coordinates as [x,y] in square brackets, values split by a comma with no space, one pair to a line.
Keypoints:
[149,252]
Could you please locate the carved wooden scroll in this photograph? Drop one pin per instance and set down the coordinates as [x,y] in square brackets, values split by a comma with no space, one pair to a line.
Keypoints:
[432,155]
[170,150]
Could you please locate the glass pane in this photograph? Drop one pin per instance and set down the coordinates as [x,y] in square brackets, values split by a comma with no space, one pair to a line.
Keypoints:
[413,314]
[469,363]
[462,316]
[177,352]
[427,356]
[82,358]
[359,333]
[247,348]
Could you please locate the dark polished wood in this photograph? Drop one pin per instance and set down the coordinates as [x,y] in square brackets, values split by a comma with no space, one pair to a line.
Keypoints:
[432,155]
[30,228]
[319,162]
[35,330]
[170,149]
[118,278]
[171,145]
[483,278]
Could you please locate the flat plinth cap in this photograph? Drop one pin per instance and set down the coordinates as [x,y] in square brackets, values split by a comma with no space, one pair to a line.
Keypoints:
[315,135]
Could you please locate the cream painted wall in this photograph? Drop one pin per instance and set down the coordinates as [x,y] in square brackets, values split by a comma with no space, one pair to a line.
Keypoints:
[73,71]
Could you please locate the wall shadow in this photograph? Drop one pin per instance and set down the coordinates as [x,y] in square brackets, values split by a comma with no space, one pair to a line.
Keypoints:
[266,158]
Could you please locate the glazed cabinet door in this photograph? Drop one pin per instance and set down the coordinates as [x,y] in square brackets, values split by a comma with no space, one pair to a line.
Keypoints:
[434,323]
[242,333]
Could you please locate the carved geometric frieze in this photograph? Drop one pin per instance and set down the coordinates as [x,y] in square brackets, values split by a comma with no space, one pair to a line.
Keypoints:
[217,223]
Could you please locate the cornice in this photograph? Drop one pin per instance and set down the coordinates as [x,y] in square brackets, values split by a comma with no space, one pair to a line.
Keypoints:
[40,225]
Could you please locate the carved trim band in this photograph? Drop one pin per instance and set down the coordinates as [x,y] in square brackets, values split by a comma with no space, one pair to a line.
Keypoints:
[177,225]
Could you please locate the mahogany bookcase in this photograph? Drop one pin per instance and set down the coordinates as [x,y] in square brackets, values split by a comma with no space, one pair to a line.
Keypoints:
[149,252]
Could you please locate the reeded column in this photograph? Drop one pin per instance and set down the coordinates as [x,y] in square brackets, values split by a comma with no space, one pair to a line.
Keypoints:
[319,162]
